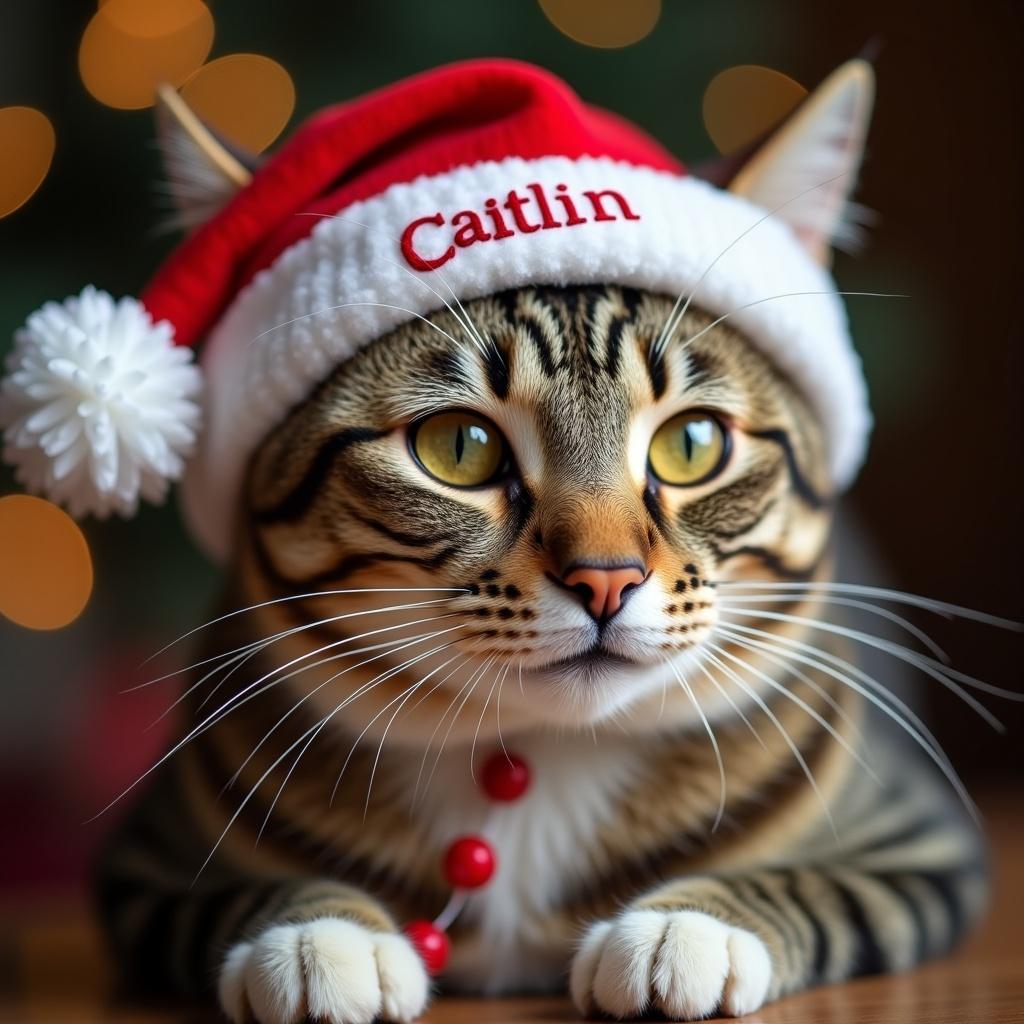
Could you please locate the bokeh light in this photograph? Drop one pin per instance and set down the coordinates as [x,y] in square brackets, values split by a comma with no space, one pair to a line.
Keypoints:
[46,576]
[607,24]
[131,46]
[743,103]
[245,97]
[27,142]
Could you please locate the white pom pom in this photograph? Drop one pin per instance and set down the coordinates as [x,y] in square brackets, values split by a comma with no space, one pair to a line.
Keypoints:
[98,406]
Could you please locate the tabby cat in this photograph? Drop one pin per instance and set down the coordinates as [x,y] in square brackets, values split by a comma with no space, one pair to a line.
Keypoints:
[606,560]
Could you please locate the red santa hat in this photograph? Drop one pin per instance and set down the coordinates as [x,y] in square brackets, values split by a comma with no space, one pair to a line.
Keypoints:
[459,182]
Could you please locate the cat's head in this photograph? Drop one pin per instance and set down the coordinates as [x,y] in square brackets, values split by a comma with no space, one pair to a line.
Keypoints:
[552,504]
[532,498]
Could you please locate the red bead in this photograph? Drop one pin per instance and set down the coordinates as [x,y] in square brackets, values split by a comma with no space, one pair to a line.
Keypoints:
[505,776]
[431,943]
[469,863]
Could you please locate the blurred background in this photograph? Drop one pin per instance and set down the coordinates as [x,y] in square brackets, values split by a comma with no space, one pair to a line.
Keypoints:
[941,497]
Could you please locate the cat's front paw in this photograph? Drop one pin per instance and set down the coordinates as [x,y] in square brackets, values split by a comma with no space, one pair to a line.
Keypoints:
[328,970]
[686,964]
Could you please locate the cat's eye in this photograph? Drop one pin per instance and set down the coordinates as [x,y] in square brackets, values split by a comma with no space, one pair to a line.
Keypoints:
[459,448]
[688,449]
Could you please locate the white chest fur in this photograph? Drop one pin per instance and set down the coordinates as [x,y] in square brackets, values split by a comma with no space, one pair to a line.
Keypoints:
[541,843]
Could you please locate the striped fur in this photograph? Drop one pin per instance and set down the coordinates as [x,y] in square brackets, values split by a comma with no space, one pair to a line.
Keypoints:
[340,767]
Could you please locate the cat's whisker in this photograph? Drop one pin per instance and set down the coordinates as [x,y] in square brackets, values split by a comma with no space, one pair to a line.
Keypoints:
[793,748]
[291,631]
[349,305]
[387,649]
[673,320]
[800,703]
[701,664]
[901,713]
[345,702]
[389,675]
[497,716]
[238,660]
[688,690]
[233,704]
[328,647]
[380,746]
[252,792]
[833,665]
[464,321]
[451,725]
[476,735]
[300,597]
[788,667]
[382,677]
[949,677]
[884,593]
[426,749]
[687,342]
[848,602]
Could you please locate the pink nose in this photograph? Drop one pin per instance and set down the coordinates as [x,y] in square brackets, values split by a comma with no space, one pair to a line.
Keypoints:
[602,590]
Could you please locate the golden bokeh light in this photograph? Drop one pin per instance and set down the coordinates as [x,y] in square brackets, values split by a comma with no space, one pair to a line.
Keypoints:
[743,103]
[46,575]
[131,46]
[607,24]
[27,142]
[245,97]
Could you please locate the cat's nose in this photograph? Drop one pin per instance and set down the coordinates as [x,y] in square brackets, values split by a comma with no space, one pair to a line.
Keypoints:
[603,589]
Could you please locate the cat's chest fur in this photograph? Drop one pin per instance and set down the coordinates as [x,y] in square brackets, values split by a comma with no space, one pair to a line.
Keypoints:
[508,940]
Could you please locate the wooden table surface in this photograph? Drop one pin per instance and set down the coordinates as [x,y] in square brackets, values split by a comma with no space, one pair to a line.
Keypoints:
[51,970]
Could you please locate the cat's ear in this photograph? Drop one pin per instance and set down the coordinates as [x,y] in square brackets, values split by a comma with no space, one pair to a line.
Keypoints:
[809,165]
[203,171]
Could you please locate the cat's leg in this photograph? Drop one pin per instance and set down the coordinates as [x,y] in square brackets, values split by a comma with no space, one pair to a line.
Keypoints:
[730,942]
[274,949]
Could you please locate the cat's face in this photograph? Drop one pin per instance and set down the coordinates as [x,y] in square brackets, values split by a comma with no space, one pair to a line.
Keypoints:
[572,498]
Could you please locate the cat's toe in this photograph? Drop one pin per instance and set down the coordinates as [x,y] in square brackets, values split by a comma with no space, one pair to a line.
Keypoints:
[328,970]
[686,964]
[404,986]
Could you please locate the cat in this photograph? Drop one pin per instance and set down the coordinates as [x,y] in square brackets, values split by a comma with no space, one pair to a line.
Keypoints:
[606,558]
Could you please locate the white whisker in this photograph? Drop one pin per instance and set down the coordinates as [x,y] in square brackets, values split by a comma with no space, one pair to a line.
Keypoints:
[464,321]
[672,321]
[800,703]
[785,295]
[233,703]
[837,667]
[942,673]
[793,748]
[714,744]
[849,602]
[360,691]
[735,707]
[380,746]
[498,677]
[451,725]
[896,596]
[387,649]
[301,597]
[291,631]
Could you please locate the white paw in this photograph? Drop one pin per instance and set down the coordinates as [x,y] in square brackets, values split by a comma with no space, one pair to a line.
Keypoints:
[330,970]
[686,964]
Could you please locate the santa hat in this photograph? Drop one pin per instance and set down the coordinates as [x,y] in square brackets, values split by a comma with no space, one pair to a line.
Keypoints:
[459,182]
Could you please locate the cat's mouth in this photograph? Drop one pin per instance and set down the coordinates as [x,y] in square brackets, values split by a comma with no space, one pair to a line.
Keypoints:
[594,658]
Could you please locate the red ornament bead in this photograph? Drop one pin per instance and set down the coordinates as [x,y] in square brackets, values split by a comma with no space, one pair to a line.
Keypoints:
[431,943]
[469,863]
[505,776]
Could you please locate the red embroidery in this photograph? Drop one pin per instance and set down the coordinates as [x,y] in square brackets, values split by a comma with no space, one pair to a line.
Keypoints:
[532,212]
